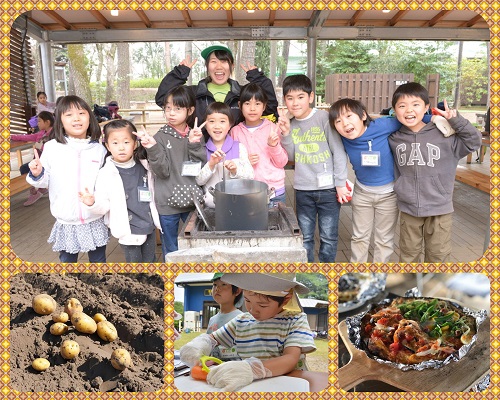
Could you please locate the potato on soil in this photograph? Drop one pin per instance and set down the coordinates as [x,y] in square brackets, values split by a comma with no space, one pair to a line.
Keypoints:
[40,364]
[107,331]
[70,349]
[44,304]
[73,305]
[83,323]
[58,329]
[120,359]
[99,317]
[60,317]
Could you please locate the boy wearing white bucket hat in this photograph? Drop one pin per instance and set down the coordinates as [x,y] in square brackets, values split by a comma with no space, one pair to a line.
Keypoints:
[270,338]
[230,298]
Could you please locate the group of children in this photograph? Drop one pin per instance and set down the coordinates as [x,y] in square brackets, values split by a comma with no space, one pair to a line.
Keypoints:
[270,339]
[132,188]
[139,182]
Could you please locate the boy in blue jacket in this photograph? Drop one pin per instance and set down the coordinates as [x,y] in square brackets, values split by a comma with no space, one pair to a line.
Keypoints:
[374,203]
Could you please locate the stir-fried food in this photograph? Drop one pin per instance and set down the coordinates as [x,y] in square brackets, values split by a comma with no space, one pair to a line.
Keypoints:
[410,331]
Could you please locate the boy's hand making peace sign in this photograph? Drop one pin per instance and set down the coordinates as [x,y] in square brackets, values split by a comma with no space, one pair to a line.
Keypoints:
[284,121]
[440,119]
[196,134]
[35,165]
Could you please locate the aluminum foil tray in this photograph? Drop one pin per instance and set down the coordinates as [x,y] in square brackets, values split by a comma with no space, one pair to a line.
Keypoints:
[354,332]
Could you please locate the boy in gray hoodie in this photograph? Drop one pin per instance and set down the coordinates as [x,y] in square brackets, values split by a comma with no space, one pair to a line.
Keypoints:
[320,167]
[426,163]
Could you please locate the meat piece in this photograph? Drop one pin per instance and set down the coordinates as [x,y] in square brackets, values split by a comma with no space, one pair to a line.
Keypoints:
[410,335]
[388,316]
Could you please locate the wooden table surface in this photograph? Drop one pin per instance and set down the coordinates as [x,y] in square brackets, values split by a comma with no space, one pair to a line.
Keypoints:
[317,380]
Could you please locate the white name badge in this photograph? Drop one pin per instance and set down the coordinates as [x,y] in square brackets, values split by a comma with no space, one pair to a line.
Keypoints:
[370,158]
[191,168]
[324,179]
[144,194]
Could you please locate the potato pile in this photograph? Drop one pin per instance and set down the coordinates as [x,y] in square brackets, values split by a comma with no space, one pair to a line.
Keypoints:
[44,304]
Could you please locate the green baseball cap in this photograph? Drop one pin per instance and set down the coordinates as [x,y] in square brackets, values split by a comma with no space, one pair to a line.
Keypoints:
[216,276]
[206,53]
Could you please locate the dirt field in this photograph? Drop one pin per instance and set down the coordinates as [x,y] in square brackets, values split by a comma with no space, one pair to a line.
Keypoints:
[132,302]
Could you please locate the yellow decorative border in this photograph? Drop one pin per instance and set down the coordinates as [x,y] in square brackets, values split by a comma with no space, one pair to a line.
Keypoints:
[11,264]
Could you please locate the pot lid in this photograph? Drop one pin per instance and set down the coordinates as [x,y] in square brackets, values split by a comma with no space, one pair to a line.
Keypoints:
[201,213]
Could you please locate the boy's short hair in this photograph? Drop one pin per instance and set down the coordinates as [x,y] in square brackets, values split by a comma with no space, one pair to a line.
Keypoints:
[237,300]
[410,89]
[252,90]
[297,83]
[220,108]
[343,105]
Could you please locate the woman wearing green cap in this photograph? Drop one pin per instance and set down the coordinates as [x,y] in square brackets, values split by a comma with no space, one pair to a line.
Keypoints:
[218,85]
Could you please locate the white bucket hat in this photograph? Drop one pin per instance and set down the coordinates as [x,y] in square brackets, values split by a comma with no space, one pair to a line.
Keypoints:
[266,282]
[271,285]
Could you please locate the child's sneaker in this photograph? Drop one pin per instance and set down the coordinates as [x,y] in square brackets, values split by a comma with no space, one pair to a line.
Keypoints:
[43,191]
[33,198]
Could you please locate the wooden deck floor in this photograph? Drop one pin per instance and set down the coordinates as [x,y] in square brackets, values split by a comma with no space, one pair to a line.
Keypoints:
[30,226]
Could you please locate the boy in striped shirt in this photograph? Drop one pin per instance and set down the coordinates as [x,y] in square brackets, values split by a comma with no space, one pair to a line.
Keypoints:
[271,338]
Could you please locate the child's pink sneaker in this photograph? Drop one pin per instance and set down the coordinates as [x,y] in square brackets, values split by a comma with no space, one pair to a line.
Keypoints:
[33,198]
[43,190]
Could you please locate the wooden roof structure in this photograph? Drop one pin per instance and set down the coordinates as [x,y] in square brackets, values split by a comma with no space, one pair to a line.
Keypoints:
[82,26]
[50,27]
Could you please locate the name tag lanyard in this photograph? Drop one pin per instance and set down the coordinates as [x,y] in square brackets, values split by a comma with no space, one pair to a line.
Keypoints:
[143,192]
[324,178]
[370,158]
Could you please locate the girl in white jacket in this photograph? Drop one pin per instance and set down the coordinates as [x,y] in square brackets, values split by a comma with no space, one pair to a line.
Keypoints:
[124,193]
[69,163]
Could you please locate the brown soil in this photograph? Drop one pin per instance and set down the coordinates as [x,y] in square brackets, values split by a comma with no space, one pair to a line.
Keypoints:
[133,303]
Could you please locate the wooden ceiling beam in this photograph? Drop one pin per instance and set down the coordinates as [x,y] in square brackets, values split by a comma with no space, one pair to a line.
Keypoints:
[437,18]
[102,20]
[187,18]
[473,21]
[230,20]
[272,17]
[399,15]
[144,18]
[56,17]
[354,19]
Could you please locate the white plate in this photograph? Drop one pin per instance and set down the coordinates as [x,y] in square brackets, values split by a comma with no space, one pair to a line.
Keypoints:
[275,384]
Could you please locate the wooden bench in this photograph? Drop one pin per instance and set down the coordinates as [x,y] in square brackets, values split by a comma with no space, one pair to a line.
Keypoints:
[473,178]
[485,142]
[18,183]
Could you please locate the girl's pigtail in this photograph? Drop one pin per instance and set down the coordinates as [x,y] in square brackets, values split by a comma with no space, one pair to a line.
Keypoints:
[140,152]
